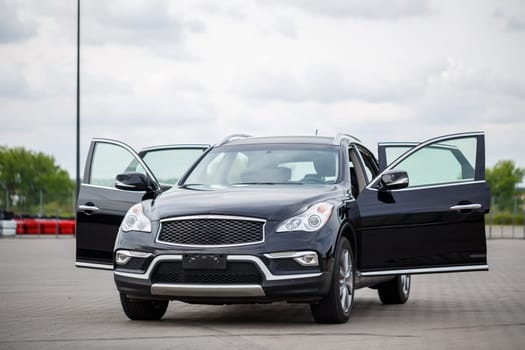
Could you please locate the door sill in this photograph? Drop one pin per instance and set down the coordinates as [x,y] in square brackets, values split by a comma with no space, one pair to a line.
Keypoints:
[414,271]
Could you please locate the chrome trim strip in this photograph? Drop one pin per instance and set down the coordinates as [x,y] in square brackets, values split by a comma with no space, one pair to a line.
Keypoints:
[230,217]
[217,217]
[207,290]
[176,147]
[94,266]
[262,267]
[461,207]
[288,255]
[109,188]
[426,270]
[431,186]
[134,254]
[267,273]
[146,275]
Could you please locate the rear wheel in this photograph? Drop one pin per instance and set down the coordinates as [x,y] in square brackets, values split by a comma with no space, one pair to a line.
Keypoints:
[395,291]
[143,309]
[337,305]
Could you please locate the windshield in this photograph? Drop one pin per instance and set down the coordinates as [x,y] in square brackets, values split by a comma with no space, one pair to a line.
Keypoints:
[267,164]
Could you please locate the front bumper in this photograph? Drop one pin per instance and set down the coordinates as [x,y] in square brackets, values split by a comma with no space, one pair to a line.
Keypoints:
[308,285]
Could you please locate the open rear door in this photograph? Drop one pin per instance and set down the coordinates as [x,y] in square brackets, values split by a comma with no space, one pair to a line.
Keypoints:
[101,206]
[436,223]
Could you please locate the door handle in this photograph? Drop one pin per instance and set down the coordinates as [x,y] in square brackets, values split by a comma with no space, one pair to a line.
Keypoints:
[461,207]
[88,208]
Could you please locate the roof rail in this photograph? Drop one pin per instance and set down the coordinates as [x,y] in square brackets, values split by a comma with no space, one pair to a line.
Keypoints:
[340,137]
[233,137]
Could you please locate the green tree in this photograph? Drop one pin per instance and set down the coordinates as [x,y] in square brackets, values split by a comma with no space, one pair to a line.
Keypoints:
[502,180]
[25,175]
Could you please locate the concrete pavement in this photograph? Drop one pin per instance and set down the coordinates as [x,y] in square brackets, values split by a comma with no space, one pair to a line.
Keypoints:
[47,303]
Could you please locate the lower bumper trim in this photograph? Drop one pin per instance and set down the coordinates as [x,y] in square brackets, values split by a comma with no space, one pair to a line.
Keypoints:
[207,290]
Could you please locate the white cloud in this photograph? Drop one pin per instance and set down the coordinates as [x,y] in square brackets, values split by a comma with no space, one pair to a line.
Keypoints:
[13,25]
[372,9]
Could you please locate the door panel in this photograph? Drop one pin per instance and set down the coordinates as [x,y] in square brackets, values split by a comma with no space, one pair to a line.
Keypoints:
[437,223]
[101,206]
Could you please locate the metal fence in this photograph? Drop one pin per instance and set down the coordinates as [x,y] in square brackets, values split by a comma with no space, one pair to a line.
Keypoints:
[505,231]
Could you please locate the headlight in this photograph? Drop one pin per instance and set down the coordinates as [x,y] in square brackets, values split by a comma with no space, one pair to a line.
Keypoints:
[135,220]
[311,220]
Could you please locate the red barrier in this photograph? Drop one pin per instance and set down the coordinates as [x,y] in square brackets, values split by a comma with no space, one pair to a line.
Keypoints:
[19,226]
[44,226]
[48,227]
[67,227]
[31,227]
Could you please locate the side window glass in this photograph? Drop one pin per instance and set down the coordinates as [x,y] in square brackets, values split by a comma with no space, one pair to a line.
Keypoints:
[393,152]
[109,160]
[169,165]
[441,162]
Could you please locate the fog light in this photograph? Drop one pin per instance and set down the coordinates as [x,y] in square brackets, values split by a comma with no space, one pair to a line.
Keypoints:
[122,257]
[308,260]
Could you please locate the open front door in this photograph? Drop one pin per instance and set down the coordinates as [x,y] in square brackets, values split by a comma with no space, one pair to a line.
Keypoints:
[387,152]
[101,206]
[436,223]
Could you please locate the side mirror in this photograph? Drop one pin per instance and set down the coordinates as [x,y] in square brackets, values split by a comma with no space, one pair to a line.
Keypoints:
[393,180]
[133,182]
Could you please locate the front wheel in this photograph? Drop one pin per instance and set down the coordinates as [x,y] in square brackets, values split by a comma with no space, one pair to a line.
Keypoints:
[395,291]
[137,309]
[337,305]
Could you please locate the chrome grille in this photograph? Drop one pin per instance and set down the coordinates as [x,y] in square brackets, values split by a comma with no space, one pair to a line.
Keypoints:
[212,231]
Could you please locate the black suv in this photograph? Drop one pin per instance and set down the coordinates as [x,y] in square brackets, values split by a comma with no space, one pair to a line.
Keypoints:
[300,219]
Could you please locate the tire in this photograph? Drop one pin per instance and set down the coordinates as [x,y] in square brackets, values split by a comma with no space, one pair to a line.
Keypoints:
[143,309]
[337,305]
[395,291]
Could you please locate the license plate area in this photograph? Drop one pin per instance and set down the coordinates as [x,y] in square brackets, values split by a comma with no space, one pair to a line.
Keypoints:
[204,262]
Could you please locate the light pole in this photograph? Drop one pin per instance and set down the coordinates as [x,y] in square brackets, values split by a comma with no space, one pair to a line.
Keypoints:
[78,104]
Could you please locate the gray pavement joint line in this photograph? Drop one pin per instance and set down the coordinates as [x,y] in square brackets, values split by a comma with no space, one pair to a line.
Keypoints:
[225,335]
[520,324]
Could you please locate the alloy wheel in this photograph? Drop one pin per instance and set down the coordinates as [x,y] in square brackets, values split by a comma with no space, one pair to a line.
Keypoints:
[346,281]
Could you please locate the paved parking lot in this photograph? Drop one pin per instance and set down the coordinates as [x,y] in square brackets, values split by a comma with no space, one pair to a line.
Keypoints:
[47,303]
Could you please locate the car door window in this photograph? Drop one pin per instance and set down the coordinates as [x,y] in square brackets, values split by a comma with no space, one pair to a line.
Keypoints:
[108,161]
[170,164]
[441,162]
[393,152]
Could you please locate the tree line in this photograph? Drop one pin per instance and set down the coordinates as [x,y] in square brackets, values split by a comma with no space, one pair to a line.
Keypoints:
[33,184]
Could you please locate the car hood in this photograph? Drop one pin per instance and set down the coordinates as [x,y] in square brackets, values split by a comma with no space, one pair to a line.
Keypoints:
[271,202]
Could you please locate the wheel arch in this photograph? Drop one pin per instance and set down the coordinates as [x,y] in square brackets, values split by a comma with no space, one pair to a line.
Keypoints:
[347,230]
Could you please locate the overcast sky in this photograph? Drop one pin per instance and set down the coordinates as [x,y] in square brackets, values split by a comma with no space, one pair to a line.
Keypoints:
[162,72]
